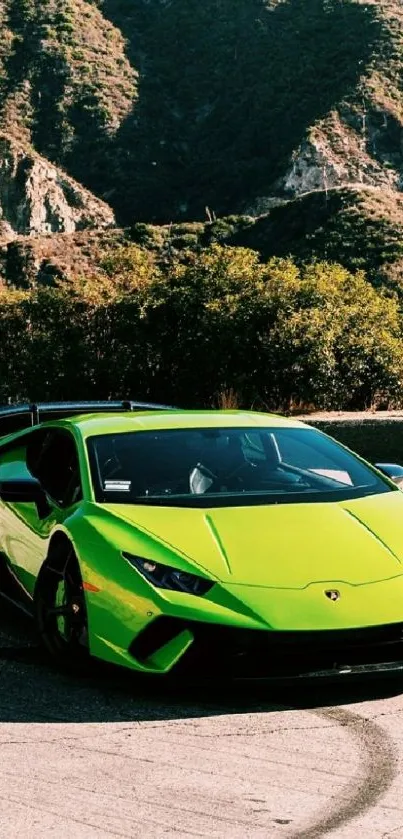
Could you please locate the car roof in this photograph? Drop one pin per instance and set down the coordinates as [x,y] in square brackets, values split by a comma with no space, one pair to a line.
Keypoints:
[91,425]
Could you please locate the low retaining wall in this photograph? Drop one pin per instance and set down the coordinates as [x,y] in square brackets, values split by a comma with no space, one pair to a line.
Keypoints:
[377,437]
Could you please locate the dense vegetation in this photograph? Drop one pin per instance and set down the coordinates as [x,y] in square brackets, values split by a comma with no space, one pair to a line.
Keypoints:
[361,229]
[219,326]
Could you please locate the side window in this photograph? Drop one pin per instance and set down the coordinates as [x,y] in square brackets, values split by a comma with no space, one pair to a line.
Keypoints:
[55,464]
[303,455]
[13,463]
[314,456]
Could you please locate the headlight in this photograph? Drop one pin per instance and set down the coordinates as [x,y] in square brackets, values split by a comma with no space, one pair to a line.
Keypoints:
[163,576]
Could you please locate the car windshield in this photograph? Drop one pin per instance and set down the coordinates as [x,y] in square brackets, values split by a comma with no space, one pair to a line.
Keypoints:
[217,467]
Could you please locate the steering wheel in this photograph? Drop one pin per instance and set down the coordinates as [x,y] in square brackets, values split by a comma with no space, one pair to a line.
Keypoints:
[225,476]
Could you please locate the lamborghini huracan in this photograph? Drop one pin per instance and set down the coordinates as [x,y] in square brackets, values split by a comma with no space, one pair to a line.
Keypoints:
[168,540]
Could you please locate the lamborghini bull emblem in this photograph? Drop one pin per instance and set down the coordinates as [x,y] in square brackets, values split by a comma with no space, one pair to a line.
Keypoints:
[333,594]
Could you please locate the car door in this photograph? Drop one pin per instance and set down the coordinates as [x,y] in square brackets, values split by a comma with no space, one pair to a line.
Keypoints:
[50,455]
[14,538]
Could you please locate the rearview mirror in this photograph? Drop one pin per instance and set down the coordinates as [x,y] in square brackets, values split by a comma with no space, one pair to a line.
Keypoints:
[24,490]
[393,471]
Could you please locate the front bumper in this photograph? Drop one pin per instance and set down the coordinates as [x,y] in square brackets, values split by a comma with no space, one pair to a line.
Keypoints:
[247,631]
[250,653]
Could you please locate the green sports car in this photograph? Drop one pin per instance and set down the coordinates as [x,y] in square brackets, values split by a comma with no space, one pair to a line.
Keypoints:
[224,542]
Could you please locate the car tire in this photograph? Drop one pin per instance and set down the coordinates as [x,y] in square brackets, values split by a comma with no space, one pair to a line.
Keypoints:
[60,609]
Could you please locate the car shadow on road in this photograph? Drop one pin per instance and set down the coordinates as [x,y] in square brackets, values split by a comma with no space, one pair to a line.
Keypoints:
[33,690]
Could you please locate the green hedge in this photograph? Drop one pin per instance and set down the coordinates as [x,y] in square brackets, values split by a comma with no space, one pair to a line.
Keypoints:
[377,440]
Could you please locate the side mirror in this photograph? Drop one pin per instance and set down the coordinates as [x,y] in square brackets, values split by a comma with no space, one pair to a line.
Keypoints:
[24,490]
[393,471]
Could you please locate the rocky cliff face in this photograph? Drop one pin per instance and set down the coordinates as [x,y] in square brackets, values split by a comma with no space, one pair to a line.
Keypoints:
[36,198]
[359,140]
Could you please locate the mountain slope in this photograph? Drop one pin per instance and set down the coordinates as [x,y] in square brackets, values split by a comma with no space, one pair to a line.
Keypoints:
[228,97]
[177,111]
[65,83]
[172,106]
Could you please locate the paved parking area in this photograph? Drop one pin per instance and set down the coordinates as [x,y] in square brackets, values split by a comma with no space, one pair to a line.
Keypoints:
[108,755]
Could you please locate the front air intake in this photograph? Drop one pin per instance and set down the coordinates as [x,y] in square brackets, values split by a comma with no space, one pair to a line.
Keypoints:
[154,636]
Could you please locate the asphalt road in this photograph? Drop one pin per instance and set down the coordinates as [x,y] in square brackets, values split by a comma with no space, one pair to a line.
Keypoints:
[108,755]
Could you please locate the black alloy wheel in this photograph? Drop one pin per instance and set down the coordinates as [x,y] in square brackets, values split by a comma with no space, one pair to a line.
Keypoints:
[60,609]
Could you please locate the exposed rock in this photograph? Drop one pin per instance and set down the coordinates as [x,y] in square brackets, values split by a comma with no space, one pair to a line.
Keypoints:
[321,163]
[353,151]
[37,198]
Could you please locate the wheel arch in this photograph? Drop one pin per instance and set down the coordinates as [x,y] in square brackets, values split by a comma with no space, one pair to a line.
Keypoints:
[58,540]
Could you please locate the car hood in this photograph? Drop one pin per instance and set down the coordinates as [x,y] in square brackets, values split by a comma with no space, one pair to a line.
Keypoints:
[282,545]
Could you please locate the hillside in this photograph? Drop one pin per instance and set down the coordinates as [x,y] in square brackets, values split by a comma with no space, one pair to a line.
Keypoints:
[360,228]
[174,111]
